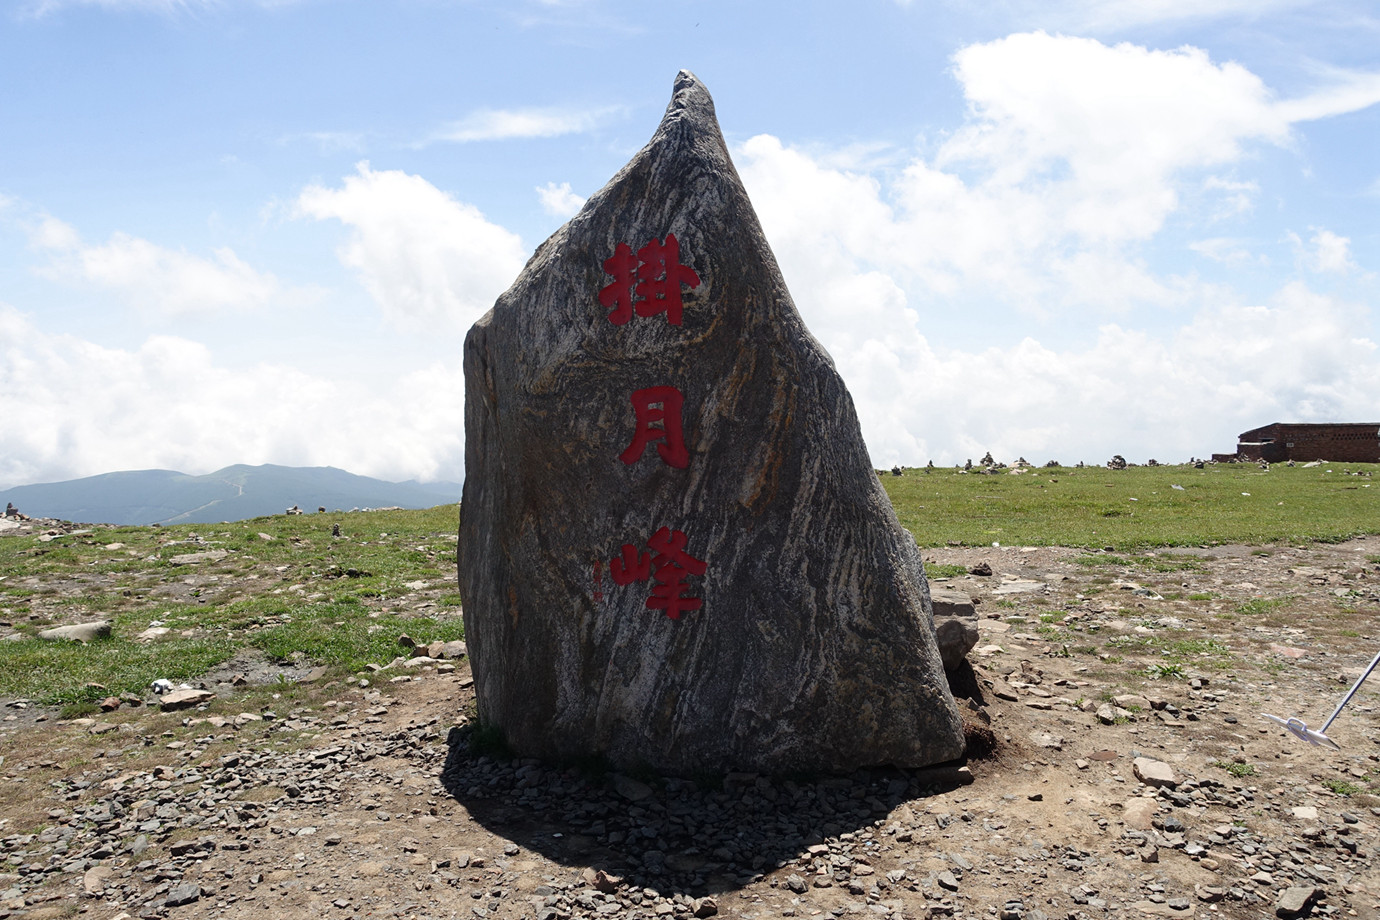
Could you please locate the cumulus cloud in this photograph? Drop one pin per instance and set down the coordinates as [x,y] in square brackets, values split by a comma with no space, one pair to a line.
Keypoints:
[1104,130]
[1332,252]
[154,278]
[1295,358]
[426,258]
[75,408]
[507,124]
[559,200]
[1074,155]
[1325,252]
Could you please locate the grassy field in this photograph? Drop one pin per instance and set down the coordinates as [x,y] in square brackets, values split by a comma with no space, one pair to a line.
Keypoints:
[285,586]
[290,590]
[1140,507]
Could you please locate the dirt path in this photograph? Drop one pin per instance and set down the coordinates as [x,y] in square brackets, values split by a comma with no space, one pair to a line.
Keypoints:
[338,800]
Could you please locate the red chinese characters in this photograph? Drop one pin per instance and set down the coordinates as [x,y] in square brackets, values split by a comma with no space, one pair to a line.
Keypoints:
[668,564]
[648,284]
[669,431]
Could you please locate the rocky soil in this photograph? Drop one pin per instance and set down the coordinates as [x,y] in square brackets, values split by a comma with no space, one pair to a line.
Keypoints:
[1119,766]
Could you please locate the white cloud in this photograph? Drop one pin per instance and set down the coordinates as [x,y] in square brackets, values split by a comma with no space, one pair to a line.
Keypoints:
[1172,396]
[426,258]
[1109,16]
[1121,14]
[559,200]
[39,8]
[328,142]
[45,7]
[1225,250]
[1348,91]
[74,408]
[1074,155]
[1104,131]
[506,124]
[1234,197]
[1328,253]
[1332,252]
[153,278]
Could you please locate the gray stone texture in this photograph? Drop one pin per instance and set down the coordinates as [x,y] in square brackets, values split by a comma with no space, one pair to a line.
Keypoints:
[955,625]
[78,632]
[814,648]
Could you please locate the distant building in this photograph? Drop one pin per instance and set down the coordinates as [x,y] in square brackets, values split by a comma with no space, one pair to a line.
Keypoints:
[1281,441]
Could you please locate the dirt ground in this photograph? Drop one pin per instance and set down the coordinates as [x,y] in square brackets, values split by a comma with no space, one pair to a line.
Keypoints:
[327,798]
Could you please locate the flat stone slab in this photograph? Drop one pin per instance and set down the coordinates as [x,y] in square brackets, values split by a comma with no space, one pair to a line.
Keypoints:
[185,699]
[210,555]
[1294,901]
[1139,813]
[1020,586]
[78,632]
[1154,772]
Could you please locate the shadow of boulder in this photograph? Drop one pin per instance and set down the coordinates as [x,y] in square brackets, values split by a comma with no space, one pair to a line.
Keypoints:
[684,837]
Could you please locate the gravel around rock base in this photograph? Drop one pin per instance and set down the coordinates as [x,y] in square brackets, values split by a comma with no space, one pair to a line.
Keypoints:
[336,800]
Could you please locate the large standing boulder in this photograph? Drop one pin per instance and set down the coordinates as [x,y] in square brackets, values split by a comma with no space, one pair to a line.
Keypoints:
[674,551]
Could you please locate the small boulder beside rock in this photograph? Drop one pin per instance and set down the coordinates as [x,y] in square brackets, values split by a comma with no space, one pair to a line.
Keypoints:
[955,625]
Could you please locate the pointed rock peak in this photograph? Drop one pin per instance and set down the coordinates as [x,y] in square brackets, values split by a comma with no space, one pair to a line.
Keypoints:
[690,123]
[690,99]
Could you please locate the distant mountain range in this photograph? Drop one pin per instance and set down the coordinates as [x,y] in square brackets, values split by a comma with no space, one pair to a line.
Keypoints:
[232,494]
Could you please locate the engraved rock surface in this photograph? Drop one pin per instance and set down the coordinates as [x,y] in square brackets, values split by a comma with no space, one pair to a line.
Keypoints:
[813,644]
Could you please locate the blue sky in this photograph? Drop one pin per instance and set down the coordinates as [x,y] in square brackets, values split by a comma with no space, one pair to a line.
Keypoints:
[256,230]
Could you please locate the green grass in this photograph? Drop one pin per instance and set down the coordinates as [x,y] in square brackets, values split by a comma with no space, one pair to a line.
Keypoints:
[1239,770]
[1092,507]
[1193,648]
[1261,605]
[936,570]
[1153,562]
[330,636]
[302,595]
[1163,671]
[306,595]
[57,673]
[1342,787]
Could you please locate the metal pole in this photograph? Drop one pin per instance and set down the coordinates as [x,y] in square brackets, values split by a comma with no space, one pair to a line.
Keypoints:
[1350,693]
